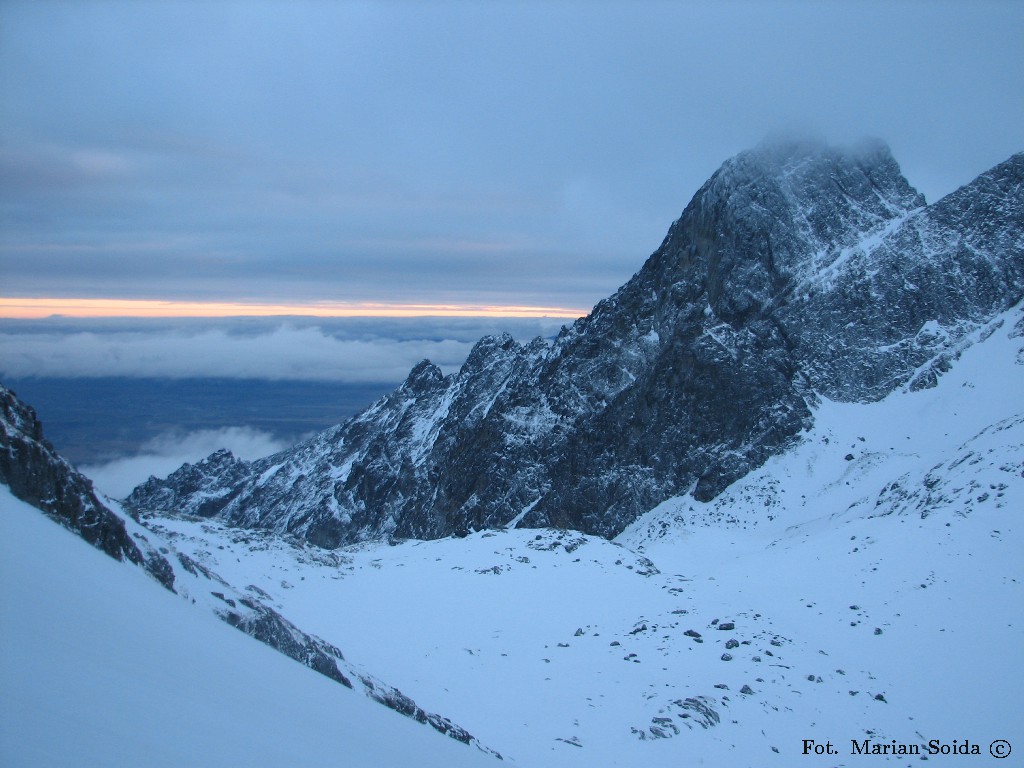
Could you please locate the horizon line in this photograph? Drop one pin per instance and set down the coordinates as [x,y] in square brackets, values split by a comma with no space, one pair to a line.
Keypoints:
[42,308]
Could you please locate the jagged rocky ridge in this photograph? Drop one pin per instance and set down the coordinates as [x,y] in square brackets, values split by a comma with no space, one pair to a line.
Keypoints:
[39,476]
[797,271]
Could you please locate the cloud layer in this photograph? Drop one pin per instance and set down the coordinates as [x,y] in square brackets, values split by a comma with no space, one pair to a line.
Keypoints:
[497,153]
[354,351]
[286,353]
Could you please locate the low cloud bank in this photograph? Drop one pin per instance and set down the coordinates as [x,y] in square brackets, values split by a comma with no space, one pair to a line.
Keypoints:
[285,352]
[165,453]
[350,350]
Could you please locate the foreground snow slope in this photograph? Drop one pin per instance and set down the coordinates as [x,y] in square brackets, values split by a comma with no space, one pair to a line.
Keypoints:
[874,577]
[100,666]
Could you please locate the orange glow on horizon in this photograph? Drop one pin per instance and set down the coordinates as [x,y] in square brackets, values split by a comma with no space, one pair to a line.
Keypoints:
[38,308]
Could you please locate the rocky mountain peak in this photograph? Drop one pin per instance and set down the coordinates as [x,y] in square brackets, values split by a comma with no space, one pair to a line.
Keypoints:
[798,270]
[489,348]
[769,216]
[423,377]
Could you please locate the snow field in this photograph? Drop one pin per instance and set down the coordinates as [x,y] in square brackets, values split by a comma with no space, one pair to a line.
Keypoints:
[855,617]
[872,574]
[103,667]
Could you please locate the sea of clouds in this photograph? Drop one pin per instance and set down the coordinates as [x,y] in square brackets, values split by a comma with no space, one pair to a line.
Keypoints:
[349,350]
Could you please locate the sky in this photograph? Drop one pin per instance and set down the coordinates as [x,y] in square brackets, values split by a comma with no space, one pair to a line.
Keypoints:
[475,156]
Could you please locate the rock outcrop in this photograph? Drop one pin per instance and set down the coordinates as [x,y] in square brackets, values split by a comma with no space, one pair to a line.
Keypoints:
[39,476]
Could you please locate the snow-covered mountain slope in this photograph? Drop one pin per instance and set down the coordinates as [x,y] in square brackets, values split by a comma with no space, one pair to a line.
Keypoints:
[102,667]
[867,584]
[32,472]
[797,271]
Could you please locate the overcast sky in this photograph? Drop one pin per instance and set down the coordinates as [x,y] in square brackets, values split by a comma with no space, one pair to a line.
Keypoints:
[516,153]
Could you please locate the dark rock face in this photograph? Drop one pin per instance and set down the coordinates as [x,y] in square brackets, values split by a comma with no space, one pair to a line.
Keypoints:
[37,475]
[267,626]
[216,477]
[797,271]
[868,322]
[398,701]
